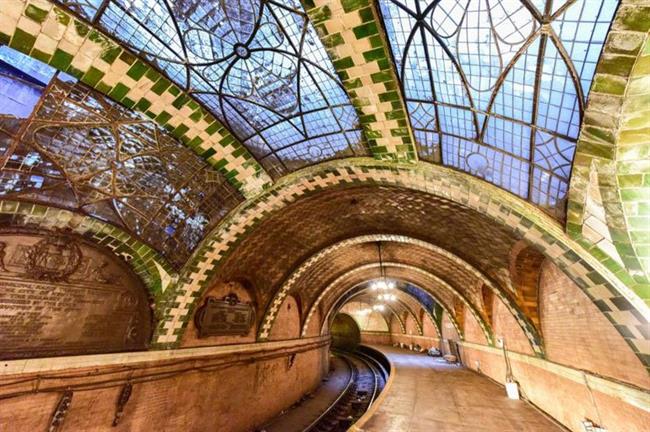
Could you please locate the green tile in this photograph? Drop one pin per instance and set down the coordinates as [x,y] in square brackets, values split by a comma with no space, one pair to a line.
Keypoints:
[61,59]
[127,57]
[22,41]
[137,70]
[110,54]
[35,13]
[119,91]
[93,76]
[365,30]
[160,87]
[375,54]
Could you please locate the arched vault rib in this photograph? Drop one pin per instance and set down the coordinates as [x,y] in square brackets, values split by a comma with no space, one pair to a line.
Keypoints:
[408,300]
[359,271]
[615,297]
[439,283]
[353,35]
[365,292]
[609,164]
[271,312]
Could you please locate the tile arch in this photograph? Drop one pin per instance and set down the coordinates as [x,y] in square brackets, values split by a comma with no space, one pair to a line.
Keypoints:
[609,181]
[364,278]
[156,274]
[621,301]
[278,298]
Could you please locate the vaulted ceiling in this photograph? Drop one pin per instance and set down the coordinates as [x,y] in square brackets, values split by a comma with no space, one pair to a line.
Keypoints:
[278,142]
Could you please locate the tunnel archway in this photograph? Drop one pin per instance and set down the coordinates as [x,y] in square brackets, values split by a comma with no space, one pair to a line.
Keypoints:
[345,332]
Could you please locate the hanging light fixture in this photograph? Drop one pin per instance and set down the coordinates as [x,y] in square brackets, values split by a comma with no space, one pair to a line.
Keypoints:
[383,283]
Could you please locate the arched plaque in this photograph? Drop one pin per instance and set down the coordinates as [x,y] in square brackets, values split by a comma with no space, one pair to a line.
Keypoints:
[62,295]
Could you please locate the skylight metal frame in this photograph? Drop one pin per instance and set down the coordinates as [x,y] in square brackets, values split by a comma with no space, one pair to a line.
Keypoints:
[296,141]
[410,32]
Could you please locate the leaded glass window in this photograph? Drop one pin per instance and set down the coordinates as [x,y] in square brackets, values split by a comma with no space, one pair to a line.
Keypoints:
[497,87]
[64,145]
[257,65]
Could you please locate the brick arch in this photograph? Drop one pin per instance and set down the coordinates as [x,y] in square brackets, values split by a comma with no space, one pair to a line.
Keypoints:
[304,269]
[487,296]
[525,268]
[609,187]
[403,299]
[364,278]
[625,309]
[431,278]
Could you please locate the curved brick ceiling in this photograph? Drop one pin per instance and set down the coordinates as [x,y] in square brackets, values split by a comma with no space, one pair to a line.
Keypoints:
[314,223]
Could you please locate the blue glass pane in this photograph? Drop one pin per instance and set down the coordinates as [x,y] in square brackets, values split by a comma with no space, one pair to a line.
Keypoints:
[582,28]
[547,189]
[258,66]
[457,121]
[32,69]
[474,65]
[490,35]
[427,144]
[554,154]
[515,97]
[508,136]
[558,108]
[489,164]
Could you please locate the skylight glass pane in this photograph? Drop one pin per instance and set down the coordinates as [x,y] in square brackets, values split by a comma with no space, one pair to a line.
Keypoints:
[493,82]
[84,8]
[582,28]
[257,65]
[489,164]
[67,146]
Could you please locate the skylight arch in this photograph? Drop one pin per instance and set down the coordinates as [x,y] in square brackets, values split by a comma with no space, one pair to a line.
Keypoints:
[497,88]
[257,65]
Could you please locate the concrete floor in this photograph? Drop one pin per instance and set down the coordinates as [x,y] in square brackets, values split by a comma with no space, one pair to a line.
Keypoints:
[429,395]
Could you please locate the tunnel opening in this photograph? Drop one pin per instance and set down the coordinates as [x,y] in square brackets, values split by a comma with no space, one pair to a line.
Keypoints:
[345,333]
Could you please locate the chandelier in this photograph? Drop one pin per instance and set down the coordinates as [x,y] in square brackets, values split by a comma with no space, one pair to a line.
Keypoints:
[382,284]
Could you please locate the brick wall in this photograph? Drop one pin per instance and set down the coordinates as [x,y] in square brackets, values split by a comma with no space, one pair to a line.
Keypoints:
[220,400]
[505,326]
[287,323]
[565,400]
[577,334]
[473,332]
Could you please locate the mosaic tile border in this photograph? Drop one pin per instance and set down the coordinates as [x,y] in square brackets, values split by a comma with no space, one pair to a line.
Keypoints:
[614,145]
[621,303]
[352,34]
[54,36]
[153,270]
[278,299]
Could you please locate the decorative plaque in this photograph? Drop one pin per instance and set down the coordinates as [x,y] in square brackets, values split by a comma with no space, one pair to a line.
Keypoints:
[226,316]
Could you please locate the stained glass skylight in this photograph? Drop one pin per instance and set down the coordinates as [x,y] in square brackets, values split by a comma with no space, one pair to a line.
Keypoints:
[63,144]
[497,88]
[257,65]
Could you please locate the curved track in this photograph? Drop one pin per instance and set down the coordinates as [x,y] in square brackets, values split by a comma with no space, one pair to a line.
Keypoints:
[361,379]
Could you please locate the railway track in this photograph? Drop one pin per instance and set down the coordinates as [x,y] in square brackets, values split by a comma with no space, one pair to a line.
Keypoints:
[361,380]
[368,377]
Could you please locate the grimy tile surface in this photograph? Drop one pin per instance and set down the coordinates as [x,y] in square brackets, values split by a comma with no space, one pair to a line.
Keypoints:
[428,394]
